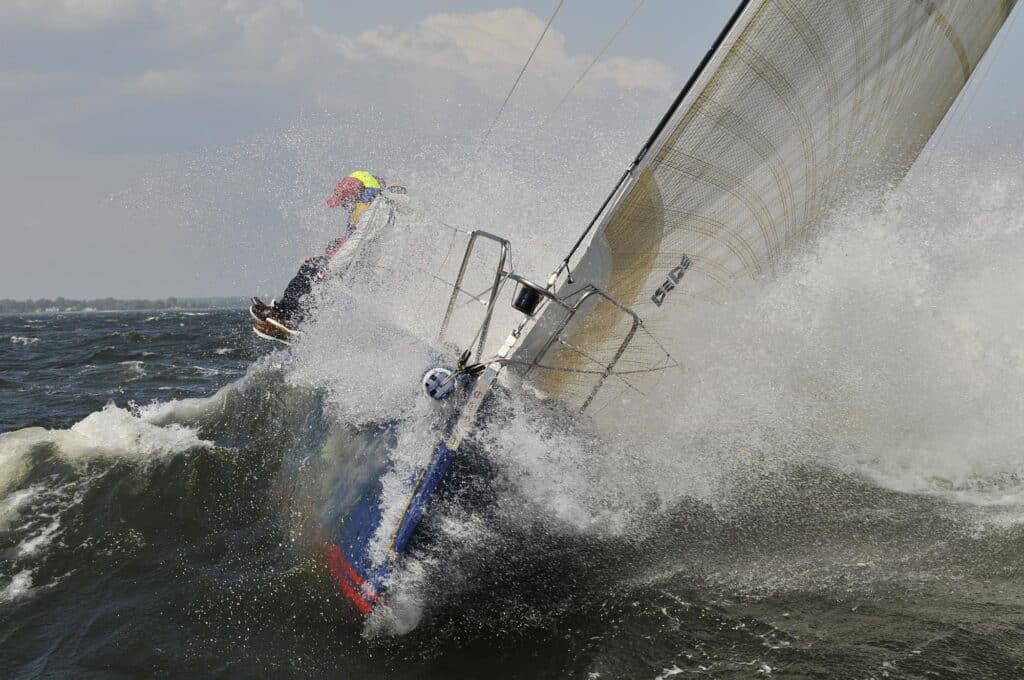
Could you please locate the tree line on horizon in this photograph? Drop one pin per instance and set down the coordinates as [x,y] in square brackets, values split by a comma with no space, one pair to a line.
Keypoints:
[109,304]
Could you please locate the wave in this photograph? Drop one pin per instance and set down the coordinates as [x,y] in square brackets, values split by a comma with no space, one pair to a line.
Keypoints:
[12,505]
[86,490]
[22,340]
[19,586]
[869,395]
[111,433]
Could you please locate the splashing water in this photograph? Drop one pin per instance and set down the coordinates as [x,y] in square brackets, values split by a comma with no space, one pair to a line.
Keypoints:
[849,429]
[887,349]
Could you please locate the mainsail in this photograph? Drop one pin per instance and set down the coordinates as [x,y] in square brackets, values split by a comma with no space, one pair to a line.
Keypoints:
[800,103]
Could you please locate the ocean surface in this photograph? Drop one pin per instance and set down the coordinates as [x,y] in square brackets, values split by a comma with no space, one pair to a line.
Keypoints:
[151,525]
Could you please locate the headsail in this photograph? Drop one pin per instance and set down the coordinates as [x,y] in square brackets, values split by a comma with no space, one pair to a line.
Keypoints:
[801,103]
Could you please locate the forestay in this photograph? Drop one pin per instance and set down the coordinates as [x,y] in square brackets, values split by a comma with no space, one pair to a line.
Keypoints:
[802,102]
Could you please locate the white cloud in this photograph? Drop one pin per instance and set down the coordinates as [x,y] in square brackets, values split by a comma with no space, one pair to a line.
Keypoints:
[168,82]
[489,47]
[635,73]
[260,43]
[470,44]
[268,43]
[65,14]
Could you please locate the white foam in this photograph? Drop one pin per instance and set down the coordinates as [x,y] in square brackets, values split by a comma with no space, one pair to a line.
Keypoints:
[576,481]
[112,432]
[22,340]
[368,365]
[402,610]
[19,587]
[134,369]
[43,538]
[889,348]
[417,441]
[118,432]
[14,447]
[11,507]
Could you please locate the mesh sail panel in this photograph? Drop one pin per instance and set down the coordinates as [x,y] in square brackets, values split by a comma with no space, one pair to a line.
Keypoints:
[803,102]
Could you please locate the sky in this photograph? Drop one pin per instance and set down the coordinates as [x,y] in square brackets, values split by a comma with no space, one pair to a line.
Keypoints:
[185,147]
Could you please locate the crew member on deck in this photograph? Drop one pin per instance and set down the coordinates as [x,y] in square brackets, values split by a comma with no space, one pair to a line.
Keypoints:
[355,193]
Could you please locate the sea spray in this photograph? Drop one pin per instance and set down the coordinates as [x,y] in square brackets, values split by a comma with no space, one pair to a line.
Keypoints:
[888,347]
[713,528]
[882,349]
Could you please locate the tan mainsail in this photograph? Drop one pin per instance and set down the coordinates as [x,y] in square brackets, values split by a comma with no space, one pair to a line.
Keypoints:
[803,103]
[634,235]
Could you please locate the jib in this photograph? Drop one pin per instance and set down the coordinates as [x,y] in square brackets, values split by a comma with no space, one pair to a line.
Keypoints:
[670,282]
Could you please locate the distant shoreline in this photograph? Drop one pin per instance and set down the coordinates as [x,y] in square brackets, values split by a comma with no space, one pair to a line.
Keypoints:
[62,305]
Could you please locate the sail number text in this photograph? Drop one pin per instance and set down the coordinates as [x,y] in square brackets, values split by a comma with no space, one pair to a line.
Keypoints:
[671,280]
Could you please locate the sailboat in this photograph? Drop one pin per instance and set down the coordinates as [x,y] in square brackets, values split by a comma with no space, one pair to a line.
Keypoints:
[797,106]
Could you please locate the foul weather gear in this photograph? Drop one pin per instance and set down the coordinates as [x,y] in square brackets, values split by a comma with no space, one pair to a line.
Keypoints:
[340,253]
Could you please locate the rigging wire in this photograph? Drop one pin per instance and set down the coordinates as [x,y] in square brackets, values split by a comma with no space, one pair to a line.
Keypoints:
[519,77]
[600,54]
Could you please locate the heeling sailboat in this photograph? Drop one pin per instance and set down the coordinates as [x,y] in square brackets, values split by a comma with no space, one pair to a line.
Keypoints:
[798,104]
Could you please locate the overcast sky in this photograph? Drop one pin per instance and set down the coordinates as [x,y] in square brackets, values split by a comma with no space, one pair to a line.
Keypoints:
[185,147]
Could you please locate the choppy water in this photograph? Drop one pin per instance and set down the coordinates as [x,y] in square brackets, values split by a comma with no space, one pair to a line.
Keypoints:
[155,542]
[839,494]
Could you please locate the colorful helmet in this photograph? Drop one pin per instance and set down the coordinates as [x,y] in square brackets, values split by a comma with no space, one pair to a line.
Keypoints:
[368,180]
[346,190]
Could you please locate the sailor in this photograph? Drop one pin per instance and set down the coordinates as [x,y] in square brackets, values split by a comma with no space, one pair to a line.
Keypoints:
[358,194]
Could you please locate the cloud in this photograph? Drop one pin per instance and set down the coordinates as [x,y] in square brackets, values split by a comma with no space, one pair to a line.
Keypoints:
[183,48]
[261,44]
[469,44]
[167,82]
[488,48]
[64,15]
[635,73]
